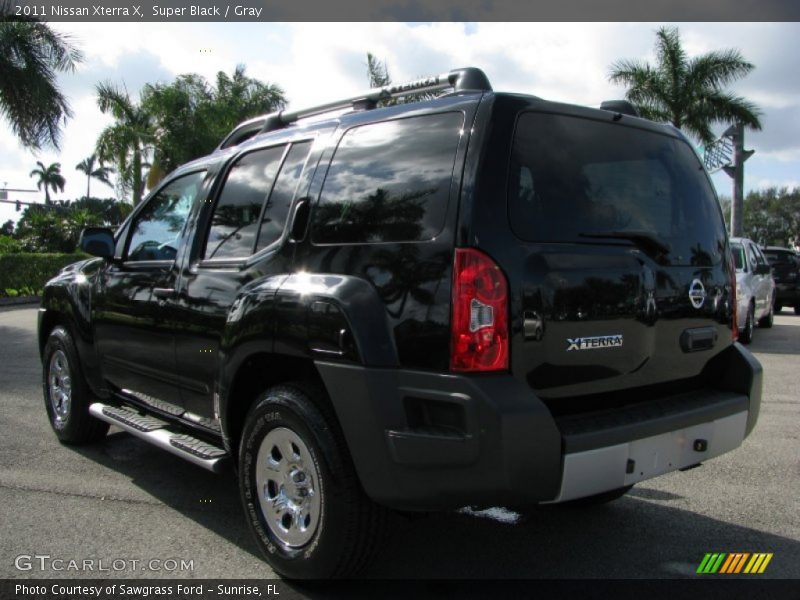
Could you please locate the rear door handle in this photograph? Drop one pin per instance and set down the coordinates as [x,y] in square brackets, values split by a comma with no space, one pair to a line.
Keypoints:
[164,292]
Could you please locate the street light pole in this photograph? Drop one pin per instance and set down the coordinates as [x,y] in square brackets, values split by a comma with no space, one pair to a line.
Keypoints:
[736,172]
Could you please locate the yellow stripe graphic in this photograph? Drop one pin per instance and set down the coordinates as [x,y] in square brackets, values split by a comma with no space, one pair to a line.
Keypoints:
[765,563]
[756,558]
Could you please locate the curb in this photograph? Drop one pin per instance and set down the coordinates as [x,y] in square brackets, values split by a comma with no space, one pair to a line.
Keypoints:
[20,300]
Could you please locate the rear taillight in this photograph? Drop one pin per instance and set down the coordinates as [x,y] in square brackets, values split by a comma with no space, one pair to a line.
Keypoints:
[479,322]
[734,303]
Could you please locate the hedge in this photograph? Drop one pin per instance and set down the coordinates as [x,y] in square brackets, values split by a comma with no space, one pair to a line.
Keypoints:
[25,274]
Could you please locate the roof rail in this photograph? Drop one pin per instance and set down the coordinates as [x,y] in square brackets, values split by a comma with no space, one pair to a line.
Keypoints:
[468,79]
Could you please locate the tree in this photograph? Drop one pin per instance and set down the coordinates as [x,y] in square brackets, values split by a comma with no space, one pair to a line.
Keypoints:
[191,117]
[100,172]
[49,177]
[31,56]
[7,228]
[687,92]
[127,142]
[772,216]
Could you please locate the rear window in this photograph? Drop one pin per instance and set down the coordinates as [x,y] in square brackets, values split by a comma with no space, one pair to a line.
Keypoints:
[389,181]
[573,179]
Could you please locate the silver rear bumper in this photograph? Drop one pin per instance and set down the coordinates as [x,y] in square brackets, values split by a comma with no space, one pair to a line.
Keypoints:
[604,469]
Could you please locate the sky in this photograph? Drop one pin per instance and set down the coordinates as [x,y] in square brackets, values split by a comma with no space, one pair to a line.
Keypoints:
[319,62]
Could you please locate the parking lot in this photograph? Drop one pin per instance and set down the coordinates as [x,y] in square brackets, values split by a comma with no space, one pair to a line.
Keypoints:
[124,499]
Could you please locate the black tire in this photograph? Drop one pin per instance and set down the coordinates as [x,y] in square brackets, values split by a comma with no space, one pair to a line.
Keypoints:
[69,419]
[797,309]
[348,526]
[746,336]
[597,499]
[778,308]
[767,320]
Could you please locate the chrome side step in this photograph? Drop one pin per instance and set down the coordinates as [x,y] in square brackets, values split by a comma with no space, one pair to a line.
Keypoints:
[155,431]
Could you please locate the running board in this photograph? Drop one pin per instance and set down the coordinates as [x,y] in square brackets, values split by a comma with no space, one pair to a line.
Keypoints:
[156,431]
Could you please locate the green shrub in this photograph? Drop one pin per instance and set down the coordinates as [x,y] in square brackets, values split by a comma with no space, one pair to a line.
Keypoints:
[25,274]
[8,245]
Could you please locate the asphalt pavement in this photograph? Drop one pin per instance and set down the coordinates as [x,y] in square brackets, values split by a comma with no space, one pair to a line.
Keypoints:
[123,500]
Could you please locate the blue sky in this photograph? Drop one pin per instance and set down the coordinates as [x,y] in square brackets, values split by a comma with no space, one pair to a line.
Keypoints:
[318,62]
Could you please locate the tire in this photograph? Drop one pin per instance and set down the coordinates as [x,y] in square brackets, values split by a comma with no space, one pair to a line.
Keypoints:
[66,394]
[308,513]
[746,335]
[767,320]
[778,308]
[797,309]
[597,499]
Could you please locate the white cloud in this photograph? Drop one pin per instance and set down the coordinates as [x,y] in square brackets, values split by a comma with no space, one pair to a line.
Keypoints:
[317,62]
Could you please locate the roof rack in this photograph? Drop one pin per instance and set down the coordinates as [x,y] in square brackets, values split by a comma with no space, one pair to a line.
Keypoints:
[461,80]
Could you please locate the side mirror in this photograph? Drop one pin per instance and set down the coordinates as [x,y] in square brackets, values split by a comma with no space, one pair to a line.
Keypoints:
[97,241]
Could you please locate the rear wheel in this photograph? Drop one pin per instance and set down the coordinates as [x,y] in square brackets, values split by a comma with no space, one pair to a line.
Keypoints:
[797,309]
[747,333]
[66,394]
[303,501]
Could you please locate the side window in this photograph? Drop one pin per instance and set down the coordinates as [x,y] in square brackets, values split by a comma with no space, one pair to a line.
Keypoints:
[234,225]
[389,181]
[157,229]
[280,200]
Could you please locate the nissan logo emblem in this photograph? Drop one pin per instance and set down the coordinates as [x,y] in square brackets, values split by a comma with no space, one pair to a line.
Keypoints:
[697,293]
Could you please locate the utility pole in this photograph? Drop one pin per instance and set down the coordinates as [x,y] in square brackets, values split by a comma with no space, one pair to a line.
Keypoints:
[736,172]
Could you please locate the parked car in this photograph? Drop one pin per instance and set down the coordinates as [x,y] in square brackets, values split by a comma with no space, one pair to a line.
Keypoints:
[755,288]
[481,299]
[785,265]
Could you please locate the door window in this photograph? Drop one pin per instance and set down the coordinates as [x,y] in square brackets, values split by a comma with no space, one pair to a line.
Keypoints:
[157,229]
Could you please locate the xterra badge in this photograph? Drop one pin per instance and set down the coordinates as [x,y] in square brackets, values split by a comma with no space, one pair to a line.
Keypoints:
[594,343]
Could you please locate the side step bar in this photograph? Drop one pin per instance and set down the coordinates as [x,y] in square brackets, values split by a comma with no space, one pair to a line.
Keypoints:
[155,431]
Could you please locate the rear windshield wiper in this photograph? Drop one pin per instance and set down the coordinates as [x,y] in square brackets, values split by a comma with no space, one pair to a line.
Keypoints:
[649,242]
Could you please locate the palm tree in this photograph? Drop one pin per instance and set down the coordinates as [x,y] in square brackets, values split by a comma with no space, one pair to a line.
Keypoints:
[687,92]
[101,173]
[378,76]
[49,177]
[31,56]
[127,142]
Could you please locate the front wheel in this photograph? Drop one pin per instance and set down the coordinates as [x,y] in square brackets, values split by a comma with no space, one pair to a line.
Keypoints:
[302,498]
[66,394]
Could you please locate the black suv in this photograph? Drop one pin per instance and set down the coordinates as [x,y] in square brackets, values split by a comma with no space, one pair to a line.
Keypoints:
[482,299]
[786,271]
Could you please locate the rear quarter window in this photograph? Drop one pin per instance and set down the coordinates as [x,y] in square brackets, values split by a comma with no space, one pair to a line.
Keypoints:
[389,181]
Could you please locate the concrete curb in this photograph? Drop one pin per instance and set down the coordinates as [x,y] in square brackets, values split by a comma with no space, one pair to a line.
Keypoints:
[20,300]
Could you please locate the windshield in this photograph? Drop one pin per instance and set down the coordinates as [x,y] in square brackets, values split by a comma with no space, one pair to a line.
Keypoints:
[581,180]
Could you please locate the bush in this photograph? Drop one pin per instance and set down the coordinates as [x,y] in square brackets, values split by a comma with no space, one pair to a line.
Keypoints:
[26,274]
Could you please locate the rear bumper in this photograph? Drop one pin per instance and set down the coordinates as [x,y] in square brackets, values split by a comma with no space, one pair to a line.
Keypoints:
[433,441]
[787,293]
